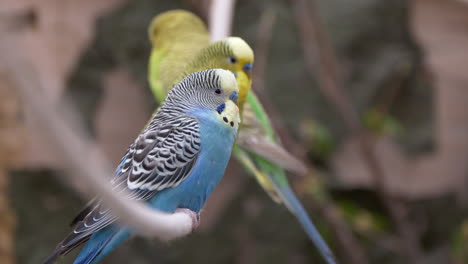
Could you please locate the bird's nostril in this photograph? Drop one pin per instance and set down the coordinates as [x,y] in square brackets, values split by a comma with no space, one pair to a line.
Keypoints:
[234,96]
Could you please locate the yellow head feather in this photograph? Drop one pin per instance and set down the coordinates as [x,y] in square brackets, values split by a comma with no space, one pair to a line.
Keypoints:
[240,49]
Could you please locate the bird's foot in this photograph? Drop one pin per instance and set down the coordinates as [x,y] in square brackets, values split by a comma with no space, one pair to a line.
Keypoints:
[195,216]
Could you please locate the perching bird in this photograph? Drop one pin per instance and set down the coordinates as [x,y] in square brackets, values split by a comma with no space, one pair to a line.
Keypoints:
[174,163]
[258,148]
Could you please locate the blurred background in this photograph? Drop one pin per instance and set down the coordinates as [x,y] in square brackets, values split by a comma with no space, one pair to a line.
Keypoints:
[401,65]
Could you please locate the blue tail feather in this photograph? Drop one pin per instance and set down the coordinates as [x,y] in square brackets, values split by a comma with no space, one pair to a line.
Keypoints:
[100,244]
[295,206]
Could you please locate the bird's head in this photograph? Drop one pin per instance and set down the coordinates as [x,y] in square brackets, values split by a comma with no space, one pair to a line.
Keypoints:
[240,56]
[174,24]
[232,54]
[214,90]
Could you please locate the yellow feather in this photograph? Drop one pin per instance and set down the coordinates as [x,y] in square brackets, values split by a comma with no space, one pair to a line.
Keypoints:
[170,34]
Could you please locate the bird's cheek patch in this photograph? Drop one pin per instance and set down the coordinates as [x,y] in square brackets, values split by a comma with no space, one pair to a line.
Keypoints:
[230,114]
[220,108]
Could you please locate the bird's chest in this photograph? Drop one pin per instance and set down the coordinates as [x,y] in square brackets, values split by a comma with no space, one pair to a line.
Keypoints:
[217,141]
[192,193]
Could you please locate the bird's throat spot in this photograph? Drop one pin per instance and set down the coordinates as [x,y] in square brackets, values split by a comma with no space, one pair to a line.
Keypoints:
[226,120]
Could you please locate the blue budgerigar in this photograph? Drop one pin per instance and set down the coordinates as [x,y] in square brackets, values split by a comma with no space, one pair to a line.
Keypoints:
[174,163]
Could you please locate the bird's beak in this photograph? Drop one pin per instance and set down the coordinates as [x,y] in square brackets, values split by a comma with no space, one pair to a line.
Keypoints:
[247,68]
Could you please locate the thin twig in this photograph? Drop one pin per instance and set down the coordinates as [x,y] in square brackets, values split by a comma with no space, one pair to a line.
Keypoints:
[220,21]
[321,61]
[349,246]
[262,49]
[88,173]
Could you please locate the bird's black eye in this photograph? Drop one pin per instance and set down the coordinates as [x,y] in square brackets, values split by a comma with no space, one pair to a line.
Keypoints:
[218,91]
[232,60]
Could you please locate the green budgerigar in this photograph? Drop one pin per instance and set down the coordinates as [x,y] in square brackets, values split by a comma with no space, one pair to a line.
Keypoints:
[180,46]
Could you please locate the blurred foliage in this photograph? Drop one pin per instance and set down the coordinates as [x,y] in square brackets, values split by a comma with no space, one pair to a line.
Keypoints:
[364,221]
[319,141]
[460,243]
[382,123]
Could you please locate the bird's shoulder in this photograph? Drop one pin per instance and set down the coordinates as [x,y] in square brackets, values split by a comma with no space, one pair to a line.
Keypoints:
[162,155]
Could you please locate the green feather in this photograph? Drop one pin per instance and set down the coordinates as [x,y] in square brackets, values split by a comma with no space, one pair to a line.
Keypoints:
[261,116]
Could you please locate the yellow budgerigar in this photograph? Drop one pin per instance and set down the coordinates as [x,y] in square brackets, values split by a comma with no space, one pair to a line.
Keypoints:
[180,46]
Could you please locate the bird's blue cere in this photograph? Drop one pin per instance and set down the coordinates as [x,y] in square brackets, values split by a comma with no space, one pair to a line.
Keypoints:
[234,96]
[247,67]
[220,108]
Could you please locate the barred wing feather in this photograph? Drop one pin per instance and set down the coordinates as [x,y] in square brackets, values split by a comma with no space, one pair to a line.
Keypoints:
[161,157]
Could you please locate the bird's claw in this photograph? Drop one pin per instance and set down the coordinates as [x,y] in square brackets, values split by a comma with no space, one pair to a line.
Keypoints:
[193,215]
